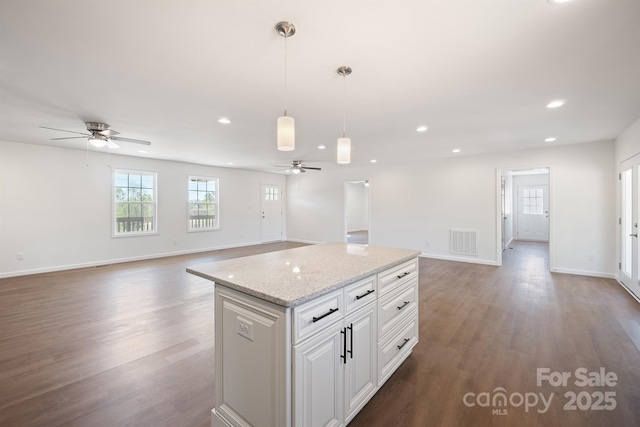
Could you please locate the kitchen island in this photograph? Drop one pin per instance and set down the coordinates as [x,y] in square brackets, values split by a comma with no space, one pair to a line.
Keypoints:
[306,336]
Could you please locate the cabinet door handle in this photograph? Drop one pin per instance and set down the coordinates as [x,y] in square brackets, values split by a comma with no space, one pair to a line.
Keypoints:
[400,307]
[350,327]
[344,345]
[370,291]
[404,274]
[406,340]
[331,311]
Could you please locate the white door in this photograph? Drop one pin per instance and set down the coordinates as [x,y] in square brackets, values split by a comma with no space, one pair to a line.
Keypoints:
[533,212]
[318,382]
[361,368]
[503,213]
[629,207]
[271,212]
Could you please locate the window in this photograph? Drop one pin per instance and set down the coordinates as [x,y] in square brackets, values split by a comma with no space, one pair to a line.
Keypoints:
[134,201]
[271,193]
[532,201]
[203,204]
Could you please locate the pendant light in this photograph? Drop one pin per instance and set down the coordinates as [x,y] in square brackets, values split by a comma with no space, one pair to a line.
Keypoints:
[286,125]
[344,143]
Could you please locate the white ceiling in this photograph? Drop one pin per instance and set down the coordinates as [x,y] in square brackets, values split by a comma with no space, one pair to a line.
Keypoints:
[478,73]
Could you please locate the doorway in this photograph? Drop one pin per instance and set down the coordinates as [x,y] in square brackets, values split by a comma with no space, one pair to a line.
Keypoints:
[271,213]
[356,223]
[629,211]
[524,209]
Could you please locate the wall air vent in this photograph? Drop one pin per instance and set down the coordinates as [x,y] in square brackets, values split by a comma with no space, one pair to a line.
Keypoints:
[464,242]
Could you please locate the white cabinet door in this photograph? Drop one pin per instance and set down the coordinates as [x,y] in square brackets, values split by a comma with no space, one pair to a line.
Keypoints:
[361,373]
[319,379]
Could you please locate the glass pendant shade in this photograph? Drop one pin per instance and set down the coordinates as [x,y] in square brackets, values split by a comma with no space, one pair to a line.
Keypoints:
[286,133]
[97,142]
[344,151]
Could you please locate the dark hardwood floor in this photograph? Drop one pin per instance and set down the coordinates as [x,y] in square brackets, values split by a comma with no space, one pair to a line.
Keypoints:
[132,345]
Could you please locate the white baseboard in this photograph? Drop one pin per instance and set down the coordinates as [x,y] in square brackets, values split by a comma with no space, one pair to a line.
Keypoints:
[309,242]
[119,260]
[460,259]
[584,273]
[634,296]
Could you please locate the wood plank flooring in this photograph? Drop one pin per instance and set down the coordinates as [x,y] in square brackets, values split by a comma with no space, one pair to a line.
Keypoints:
[132,345]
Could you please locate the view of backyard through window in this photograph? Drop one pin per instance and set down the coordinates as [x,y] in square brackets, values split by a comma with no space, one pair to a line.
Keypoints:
[134,202]
[203,203]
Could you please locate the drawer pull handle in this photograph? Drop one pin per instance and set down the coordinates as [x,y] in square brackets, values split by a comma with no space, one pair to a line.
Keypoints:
[404,274]
[406,340]
[400,307]
[370,291]
[331,311]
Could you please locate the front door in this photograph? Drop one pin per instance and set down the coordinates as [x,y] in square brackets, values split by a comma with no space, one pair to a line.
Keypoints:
[533,212]
[629,207]
[271,213]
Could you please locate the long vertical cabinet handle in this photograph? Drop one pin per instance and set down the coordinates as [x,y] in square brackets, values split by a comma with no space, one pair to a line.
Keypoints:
[344,345]
[350,327]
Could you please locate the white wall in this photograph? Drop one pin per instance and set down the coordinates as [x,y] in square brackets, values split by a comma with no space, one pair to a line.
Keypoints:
[56,210]
[628,143]
[357,206]
[414,205]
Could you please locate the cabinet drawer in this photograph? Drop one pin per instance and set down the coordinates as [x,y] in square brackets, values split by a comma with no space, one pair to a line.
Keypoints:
[360,293]
[396,306]
[314,315]
[394,350]
[392,277]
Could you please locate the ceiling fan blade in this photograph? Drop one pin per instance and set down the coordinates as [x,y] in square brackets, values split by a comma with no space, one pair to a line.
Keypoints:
[69,137]
[135,141]
[63,130]
[108,132]
[308,167]
[112,144]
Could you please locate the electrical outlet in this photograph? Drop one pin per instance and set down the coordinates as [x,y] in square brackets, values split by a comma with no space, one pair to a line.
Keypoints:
[427,243]
[20,256]
[175,242]
[245,328]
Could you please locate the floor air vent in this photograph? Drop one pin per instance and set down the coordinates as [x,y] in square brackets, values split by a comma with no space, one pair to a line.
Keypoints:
[464,242]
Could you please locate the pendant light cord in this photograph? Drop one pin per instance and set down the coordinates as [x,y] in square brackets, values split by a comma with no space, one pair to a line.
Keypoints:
[285,75]
[344,106]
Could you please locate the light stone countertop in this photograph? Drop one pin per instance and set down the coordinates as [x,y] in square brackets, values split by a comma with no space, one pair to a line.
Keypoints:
[294,276]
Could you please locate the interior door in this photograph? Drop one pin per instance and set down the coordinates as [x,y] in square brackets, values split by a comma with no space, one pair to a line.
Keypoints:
[533,212]
[629,207]
[271,213]
[503,214]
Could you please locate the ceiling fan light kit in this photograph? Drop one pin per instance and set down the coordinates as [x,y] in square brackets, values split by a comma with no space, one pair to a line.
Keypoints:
[100,135]
[286,134]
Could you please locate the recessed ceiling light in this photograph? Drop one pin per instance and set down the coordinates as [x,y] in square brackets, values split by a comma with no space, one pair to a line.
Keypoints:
[555,104]
[142,151]
[554,2]
[224,120]
[321,147]
[456,150]
[550,139]
[230,163]
[421,129]
[373,160]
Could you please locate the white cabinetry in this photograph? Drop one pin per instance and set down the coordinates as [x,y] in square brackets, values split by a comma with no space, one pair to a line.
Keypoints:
[316,364]
[335,370]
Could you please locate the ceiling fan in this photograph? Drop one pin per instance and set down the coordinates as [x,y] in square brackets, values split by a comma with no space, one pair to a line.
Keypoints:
[100,134]
[297,167]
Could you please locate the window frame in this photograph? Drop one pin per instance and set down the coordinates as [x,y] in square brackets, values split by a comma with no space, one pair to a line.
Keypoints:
[114,204]
[215,203]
